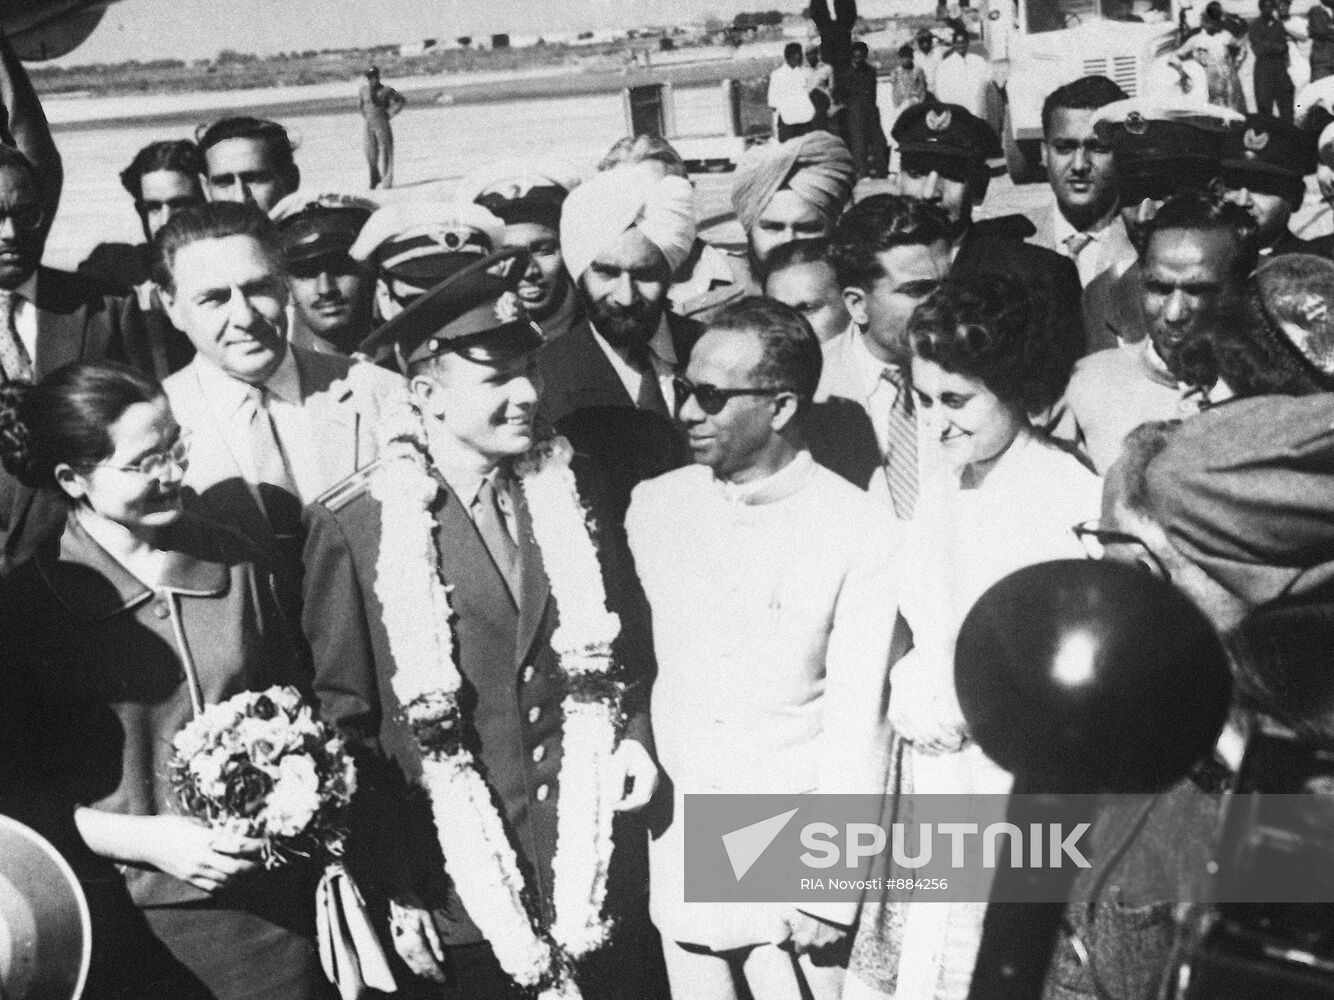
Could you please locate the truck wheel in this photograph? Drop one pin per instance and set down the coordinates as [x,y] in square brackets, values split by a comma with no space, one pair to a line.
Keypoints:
[1023,157]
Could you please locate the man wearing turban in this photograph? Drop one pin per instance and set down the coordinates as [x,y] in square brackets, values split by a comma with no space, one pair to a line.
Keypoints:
[793,190]
[622,233]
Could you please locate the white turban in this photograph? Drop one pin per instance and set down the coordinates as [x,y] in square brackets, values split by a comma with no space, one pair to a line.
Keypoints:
[602,208]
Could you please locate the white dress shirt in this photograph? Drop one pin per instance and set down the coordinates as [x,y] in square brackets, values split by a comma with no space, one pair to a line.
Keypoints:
[963,80]
[789,95]
[25,316]
[226,399]
[661,352]
[1109,246]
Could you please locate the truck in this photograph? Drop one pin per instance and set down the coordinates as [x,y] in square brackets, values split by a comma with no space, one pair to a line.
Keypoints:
[1036,46]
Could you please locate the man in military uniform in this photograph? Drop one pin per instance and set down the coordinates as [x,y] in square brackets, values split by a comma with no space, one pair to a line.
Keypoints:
[1264,165]
[1155,158]
[466,348]
[944,152]
[331,292]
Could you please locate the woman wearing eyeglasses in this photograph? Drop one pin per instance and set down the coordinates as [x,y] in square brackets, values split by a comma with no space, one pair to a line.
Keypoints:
[120,628]
[997,496]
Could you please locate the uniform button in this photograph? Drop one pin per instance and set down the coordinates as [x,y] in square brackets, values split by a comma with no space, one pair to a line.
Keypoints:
[528,673]
[160,609]
[534,714]
[539,752]
[543,791]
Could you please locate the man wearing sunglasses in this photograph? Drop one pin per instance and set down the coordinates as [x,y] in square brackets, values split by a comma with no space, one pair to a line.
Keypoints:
[331,292]
[772,584]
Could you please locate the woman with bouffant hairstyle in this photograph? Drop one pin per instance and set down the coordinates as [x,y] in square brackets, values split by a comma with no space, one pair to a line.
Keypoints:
[121,628]
[996,496]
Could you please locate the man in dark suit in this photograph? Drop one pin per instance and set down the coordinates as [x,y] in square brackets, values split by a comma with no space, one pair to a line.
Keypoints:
[467,349]
[623,234]
[944,150]
[48,318]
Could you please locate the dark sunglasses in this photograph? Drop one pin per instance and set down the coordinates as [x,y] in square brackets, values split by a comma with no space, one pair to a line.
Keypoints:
[334,264]
[710,398]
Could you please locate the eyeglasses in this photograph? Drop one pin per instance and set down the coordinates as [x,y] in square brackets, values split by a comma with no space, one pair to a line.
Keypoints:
[710,398]
[1095,540]
[156,465]
[25,218]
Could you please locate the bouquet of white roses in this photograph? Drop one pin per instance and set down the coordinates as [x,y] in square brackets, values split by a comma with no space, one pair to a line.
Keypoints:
[260,765]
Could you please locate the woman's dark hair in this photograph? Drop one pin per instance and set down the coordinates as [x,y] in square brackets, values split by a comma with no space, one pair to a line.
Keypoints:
[65,419]
[993,327]
[1282,659]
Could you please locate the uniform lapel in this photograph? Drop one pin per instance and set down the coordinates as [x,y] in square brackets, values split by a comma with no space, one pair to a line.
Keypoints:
[534,588]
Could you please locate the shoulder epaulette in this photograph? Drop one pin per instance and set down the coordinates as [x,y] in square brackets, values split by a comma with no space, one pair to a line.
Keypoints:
[341,494]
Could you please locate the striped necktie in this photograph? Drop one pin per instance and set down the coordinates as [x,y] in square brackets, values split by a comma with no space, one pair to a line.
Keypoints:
[14,359]
[1075,244]
[901,451]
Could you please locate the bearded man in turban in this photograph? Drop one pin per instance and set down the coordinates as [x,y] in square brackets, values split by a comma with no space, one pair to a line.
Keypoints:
[789,191]
[607,382]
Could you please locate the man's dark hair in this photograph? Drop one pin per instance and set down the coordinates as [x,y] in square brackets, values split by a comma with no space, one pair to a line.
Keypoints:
[790,355]
[270,133]
[1201,211]
[787,255]
[793,49]
[905,50]
[879,223]
[15,160]
[214,220]
[180,156]
[1088,93]
[861,47]
[1000,330]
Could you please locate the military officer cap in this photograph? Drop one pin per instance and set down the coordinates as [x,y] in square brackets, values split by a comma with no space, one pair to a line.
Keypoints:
[317,226]
[423,243]
[1268,155]
[945,138]
[474,312]
[1156,158]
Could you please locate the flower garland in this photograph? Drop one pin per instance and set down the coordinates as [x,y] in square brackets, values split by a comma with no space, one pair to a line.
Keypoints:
[427,681]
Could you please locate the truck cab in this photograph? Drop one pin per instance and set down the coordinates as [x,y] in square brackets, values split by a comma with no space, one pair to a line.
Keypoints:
[1036,46]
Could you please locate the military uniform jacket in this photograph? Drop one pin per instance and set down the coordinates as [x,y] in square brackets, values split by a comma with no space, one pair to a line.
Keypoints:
[512,692]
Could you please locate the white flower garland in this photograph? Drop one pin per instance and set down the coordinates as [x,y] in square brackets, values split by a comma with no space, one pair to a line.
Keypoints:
[427,680]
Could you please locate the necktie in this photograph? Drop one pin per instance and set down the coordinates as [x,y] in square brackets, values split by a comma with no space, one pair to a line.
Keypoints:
[13,355]
[901,454]
[650,390]
[278,494]
[1075,243]
[490,522]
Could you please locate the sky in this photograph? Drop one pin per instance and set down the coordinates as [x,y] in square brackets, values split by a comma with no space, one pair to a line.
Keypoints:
[193,29]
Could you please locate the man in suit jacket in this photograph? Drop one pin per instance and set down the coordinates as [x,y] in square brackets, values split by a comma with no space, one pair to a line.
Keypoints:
[272,426]
[623,234]
[1083,224]
[944,150]
[889,252]
[466,347]
[48,318]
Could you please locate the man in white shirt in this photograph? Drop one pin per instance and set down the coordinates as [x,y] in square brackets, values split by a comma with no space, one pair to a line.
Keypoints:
[272,425]
[790,95]
[772,584]
[962,77]
[890,252]
[1084,224]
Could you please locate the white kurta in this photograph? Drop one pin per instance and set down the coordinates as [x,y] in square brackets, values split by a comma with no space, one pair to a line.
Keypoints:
[773,608]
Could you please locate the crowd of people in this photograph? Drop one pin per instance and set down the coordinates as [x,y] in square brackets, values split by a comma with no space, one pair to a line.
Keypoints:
[801,465]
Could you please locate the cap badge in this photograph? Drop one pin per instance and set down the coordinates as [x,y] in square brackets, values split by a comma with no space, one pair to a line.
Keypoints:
[433,345]
[1136,123]
[938,121]
[1255,141]
[507,308]
[451,238]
